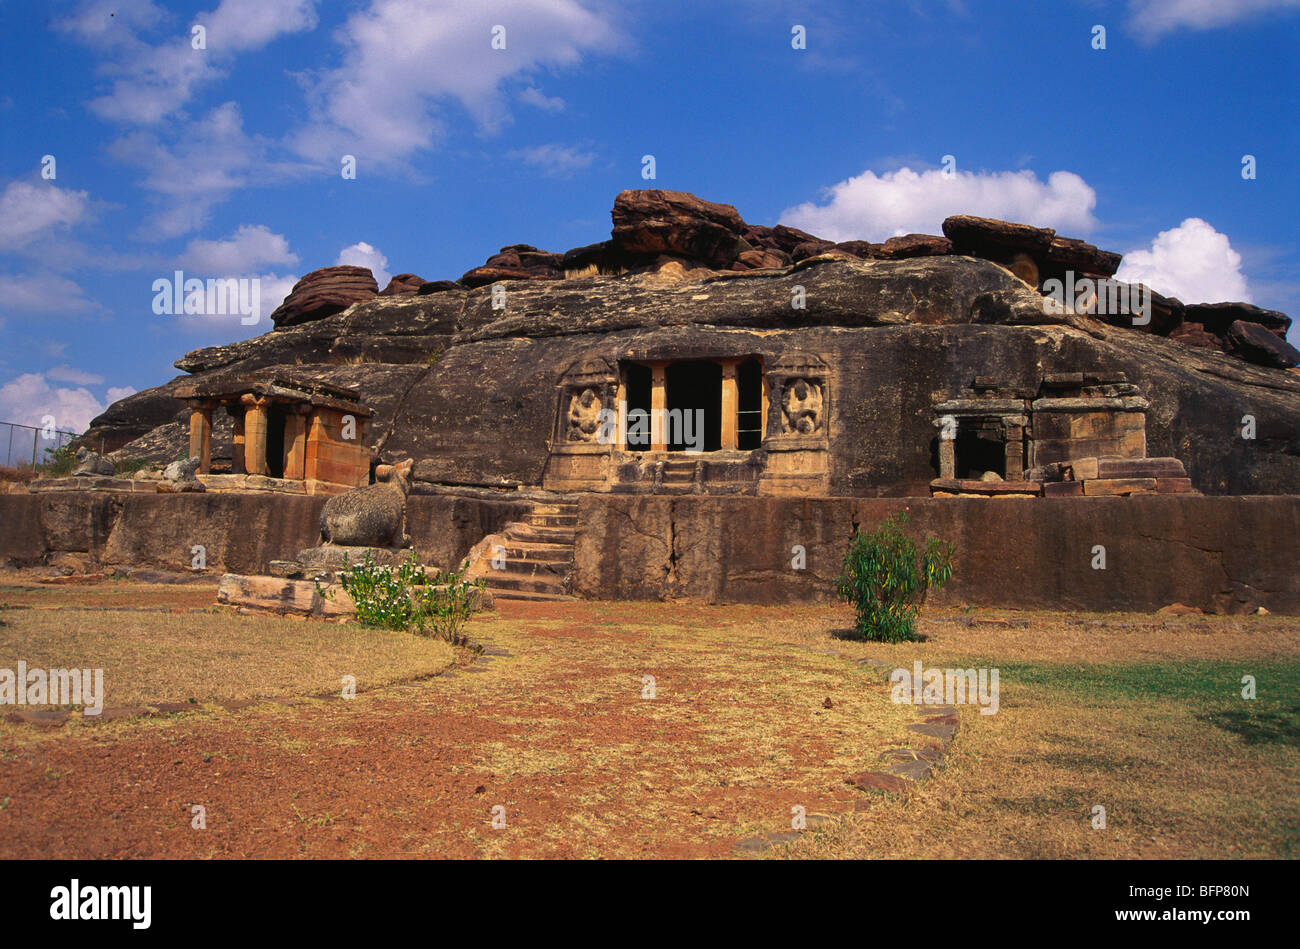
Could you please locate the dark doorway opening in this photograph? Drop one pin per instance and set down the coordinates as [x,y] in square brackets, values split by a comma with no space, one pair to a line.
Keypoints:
[749,397]
[694,392]
[275,416]
[980,447]
[636,386]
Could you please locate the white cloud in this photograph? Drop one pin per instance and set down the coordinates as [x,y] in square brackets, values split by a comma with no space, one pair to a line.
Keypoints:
[30,210]
[362,254]
[1192,262]
[876,207]
[119,392]
[274,289]
[555,160]
[43,293]
[1152,19]
[250,247]
[77,377]
[401,57]
[29,398]
[212,158]
[151,82]
[534,96]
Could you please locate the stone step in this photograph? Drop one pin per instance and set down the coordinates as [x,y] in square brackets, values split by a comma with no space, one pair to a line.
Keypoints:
[544,535]
[559,554]
[504,582]
[552,520]
[555,507]
[534,597]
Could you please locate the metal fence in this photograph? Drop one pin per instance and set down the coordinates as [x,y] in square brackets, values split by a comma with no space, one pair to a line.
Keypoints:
[25,446]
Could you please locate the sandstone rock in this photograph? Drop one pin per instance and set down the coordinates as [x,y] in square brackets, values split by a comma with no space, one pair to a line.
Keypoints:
[1081,257]
[437,286]
[1217,318]
[912,245]
[996,240]
[677,223]
[863,249]
[180,476]
[809,249]
[781,237]
[1194,334]
[762,260]
[1256,344]
[516,262]
[92,463]
[403,284]
[323,293]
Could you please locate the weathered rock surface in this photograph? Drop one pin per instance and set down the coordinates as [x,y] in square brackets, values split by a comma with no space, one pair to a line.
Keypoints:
[403,284]
[92,463]
[323,293]
[469,390]
[680,224]
[1217,318]
[1256,344]
[516,262]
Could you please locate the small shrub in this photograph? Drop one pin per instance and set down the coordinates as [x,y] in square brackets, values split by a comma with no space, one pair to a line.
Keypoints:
[59,462]
[124,469]
[887,582]
[407,598]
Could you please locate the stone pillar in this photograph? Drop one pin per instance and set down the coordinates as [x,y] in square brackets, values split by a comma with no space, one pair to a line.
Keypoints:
[255,423]
[730,405]
[201,434]
[238,441]
[658,407]
[1015,448]
[295,443]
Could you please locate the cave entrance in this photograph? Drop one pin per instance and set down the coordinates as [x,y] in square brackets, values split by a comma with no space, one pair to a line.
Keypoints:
[980,447]
[694,396]
[637,385]
[749,405]
[276,414]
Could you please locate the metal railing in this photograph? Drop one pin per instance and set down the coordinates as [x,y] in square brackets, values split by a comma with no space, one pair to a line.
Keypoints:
[25,446]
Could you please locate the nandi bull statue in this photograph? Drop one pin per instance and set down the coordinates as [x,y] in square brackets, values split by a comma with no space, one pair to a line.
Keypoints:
[373,515]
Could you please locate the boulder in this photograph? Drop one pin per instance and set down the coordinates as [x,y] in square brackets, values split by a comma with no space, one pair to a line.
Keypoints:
[1218,317]
[679,224]
[1254,343]
[912,245]
[181,477]
[781,237]
[516,262]
[92,463]
[1081,257]
[810,249]
[996,240]
[403,284]
[323,293]
[437,286]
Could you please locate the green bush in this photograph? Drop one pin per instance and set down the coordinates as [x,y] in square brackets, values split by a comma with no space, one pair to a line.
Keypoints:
[59,462]
[886,581]
[407,598]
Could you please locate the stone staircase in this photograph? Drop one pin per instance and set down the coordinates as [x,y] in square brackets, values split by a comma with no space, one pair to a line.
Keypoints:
[537,552]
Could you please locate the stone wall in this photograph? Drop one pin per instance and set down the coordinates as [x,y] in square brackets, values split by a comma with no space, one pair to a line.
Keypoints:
[241,533]
[1224,554]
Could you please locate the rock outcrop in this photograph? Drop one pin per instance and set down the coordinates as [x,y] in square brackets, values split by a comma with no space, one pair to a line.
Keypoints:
[469,387]
[323,293]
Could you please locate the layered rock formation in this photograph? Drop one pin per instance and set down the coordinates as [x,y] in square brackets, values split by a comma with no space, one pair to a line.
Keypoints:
[469,388]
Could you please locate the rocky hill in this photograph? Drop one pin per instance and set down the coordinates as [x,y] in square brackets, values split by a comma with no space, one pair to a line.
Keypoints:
[469,389]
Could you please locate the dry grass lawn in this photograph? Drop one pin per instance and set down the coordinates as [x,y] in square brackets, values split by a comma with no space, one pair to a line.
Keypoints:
[1142,715]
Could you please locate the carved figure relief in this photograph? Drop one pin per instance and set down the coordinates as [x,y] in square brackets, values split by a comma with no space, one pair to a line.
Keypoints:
[801,407]
[584,416]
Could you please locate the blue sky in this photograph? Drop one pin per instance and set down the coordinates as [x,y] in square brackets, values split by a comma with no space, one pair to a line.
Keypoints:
[225,161]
